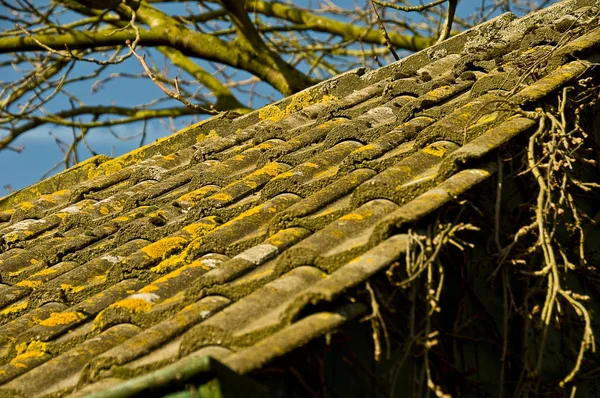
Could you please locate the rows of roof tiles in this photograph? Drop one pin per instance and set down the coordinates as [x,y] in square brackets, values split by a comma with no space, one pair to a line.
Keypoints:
[212,242]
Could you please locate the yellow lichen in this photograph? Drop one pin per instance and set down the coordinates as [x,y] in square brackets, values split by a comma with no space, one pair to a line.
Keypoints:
[198,194]
[158,214]
[247,213]
[107,168]
[250,184]
[405,169]
[70,288]
[297,103]
[164,247]
[48,198]
[149,288]
[170,263]
[46,271]
[62,215]
[329,172]
[104,210]
[200,228]
[368,147]
[12,237]
[201,137]
[26,206]
[272,169]
[61,192]
[62,318]
[164,279]
[14,308]
[330,98]
[485,119]
[222,196]
[17,272]
[265,145]
[29,284]
[35,349]
[118,205]
[135,305]
[437,151]
[284,175]
[352,216]
[99,279]
[271,112]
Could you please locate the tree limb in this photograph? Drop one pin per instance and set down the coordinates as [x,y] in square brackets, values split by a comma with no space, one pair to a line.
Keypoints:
[166,31]
[327,25]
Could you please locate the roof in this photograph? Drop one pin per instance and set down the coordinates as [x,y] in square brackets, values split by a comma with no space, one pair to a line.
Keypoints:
[220,239]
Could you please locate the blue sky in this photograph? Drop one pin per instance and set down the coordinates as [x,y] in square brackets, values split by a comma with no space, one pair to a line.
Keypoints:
[41,152]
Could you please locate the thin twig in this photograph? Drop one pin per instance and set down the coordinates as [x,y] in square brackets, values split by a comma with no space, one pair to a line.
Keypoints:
[175,95]
[384,33]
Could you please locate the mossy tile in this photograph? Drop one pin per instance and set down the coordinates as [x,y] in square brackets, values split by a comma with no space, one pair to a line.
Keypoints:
[156,336]
[41,277]
[294,179]
[101,385]
[585,44]
[452,126]
[342,230]
[245,230]
[247,185]
[431,200]
[487,142]
[351,273]
[99,301]
[192,198]
[12,329]
[15,263]
[60,374]
[246,261]
[80,281]
[28,358]
[56,324]
[242,322]
[12,294]
[550,83]
[25,230]
[99,184]
[214,145]
[247,283]
[231,169]
[149,255]
[360,96]
[177,280]
[324,216]
[389,183]
[291,337]
[13,310]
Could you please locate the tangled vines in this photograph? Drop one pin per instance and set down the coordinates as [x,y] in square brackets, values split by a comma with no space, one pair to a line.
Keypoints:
[532,314]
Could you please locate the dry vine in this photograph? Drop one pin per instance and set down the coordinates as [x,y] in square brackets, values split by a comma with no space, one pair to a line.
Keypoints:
[535,254]
[424,282]
[553,154]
